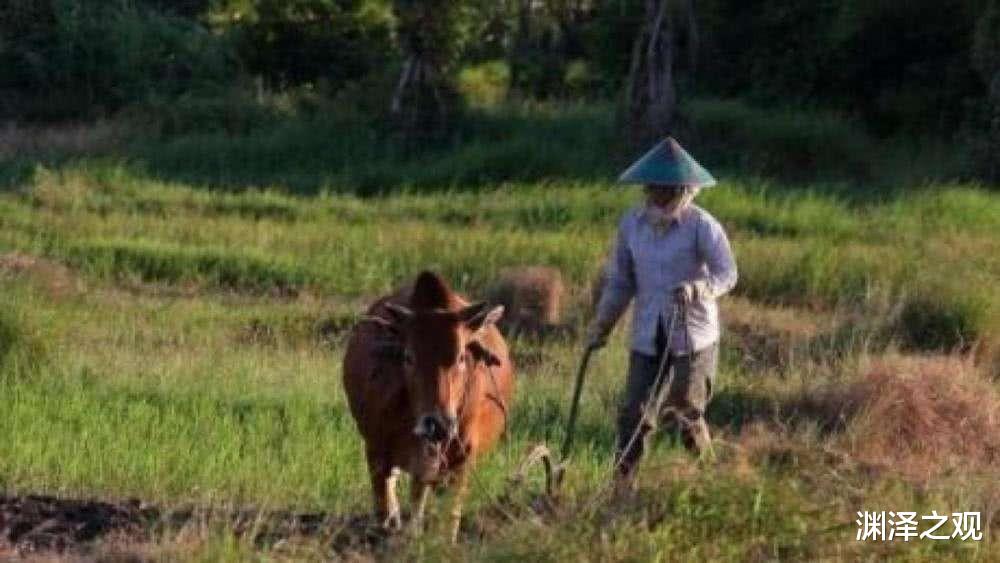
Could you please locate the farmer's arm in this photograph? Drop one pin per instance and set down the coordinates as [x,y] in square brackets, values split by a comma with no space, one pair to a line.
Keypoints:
[620,286]
[713,246]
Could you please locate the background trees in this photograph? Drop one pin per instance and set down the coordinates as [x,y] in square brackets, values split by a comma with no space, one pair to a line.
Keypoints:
[986,54]
[651,94]
[293,42]
[916,68]
[431,34]
[63,59]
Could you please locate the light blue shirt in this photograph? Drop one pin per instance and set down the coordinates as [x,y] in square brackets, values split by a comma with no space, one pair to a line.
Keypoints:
[650,262]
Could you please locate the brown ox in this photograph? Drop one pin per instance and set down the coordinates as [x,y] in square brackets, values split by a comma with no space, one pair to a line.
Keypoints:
[429,381]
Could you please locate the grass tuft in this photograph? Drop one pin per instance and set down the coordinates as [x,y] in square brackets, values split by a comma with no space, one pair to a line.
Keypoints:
[22,349]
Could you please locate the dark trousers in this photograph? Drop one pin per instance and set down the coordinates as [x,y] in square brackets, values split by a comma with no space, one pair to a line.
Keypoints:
[690,376]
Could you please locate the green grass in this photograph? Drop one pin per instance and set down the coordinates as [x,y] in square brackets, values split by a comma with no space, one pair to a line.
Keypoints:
[196,356]
[931,255]
[159,398]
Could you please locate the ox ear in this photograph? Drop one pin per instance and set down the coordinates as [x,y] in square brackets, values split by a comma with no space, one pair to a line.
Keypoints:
[400,314]
[483,354]
[376,320]
[477,316]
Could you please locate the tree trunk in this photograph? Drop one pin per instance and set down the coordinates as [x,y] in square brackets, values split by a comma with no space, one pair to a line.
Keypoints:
[986,59]
[520,51]
[430,39]
[993,156]
[693,37]
[418,107]
[651,97]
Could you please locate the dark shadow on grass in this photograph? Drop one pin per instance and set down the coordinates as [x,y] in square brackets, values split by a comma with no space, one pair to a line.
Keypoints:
[16,172]
[736,410]
[306,157]
[309,156]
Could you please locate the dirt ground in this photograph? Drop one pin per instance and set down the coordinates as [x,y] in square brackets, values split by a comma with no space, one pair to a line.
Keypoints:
[46,525]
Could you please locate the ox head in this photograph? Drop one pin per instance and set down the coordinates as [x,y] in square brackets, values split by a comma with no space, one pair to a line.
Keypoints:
[440,350]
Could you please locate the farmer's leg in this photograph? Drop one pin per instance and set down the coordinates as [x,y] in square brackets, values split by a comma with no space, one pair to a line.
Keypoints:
[689,396]
[632,430]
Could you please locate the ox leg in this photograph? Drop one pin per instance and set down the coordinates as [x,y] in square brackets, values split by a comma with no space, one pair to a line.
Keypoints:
[419,493]
[386,502]
[461,490]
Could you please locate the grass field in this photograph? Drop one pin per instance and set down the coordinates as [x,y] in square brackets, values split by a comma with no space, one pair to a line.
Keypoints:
[167,340]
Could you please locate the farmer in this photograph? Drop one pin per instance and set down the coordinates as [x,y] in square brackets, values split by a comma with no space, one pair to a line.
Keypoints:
[674,258]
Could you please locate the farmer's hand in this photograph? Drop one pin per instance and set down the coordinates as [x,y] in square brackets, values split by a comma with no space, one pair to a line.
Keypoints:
[689,292]
[597,335]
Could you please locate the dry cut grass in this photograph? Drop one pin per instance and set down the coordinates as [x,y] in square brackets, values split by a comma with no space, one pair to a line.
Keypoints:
[55,278]
[922,416]
[918,417]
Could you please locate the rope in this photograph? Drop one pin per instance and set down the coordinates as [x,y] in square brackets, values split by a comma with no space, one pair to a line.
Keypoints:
[659,393]
[496,396]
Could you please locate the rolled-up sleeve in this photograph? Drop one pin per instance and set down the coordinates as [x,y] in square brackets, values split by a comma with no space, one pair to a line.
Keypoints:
[620,286]
[713,245]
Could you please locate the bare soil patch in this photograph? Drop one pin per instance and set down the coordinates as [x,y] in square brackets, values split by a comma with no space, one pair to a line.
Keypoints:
[57,279]
[38,525]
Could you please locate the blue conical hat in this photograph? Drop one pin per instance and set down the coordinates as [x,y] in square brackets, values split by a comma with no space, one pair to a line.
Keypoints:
[669,164]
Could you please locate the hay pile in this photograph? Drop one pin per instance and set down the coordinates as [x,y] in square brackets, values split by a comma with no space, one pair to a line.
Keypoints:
[917,416]
[532,297]
[922,416]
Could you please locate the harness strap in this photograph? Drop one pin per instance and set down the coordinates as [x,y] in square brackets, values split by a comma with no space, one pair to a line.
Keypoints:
[495,396]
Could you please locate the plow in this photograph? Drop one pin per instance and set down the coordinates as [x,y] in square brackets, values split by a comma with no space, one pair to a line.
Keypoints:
[555,468]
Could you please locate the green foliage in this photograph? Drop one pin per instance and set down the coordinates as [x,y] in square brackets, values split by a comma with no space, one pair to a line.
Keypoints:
[333,42]
[544,39]
[986,44]
[789,144]
[580,81]
[432,34]
[90,57]
[900,66]
[753,47]
[608,42]
[435,30]
[485,84]
[232,113]
[912,68]
[338,154]
[986,54]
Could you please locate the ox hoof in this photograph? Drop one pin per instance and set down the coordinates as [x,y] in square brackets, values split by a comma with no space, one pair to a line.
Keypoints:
[393,523]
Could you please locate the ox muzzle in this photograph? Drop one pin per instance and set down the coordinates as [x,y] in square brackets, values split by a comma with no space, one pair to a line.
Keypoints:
[436,428]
